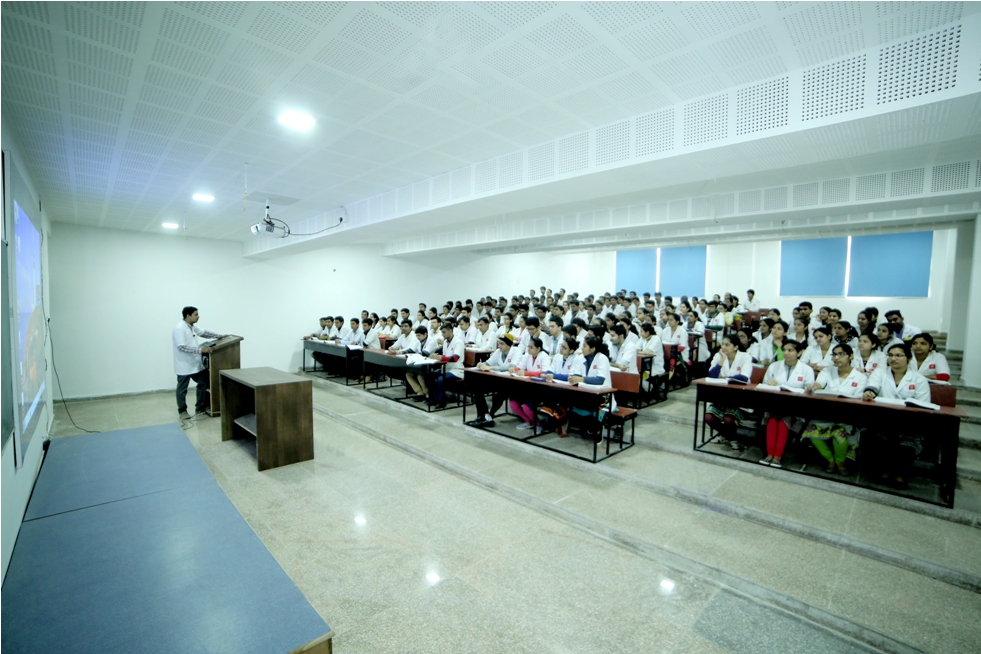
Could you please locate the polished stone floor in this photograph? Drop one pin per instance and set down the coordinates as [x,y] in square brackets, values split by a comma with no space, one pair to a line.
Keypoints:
[442,540]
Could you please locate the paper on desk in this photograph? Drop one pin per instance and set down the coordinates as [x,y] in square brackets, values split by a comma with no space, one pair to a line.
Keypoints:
[922,405]
[716,380]
[939,382]
[416,359]
[767,387]
[892,401]
[352,346]
[791,389]
[561,382]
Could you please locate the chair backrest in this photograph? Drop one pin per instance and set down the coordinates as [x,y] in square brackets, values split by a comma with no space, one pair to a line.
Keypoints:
[943,395]
[737,323]
[625,381]
[757,376]
[469,358]
[667,352]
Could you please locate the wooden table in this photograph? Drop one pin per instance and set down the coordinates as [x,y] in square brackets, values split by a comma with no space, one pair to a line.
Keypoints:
[538,392]
[353,359]
[225,355]
[273,406]
[943,424]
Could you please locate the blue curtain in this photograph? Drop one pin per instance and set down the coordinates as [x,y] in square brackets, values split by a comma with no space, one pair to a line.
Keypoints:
[683,271]
[813,267]
[891,265]
[637,270]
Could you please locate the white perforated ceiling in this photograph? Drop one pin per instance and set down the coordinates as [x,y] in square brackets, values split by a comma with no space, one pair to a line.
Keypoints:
[125,109]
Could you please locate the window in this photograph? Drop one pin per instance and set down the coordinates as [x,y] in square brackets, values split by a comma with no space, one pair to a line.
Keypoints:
[890,265]
[682,271]
[813,267]
[637,270]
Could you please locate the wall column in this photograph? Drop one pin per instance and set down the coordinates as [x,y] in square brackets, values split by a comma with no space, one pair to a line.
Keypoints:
[960,286]
[971,372]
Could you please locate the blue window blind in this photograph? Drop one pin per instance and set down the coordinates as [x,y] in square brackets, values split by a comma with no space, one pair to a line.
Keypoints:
[637,270]
[891,265]
[813,267]
[683,271]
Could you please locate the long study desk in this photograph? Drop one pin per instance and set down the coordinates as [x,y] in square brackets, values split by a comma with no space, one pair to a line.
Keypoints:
[942,424]
[536,393]
[351,360]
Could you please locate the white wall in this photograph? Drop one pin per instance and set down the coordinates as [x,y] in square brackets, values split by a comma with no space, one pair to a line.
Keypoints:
[17,483]
[117,295]
[740,266]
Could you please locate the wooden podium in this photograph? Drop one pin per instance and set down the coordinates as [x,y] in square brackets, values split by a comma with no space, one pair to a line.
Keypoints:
[274,407]
[224,356]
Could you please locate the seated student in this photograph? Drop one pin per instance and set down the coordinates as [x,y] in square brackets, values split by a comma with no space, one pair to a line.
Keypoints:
[322,334]
[886,335]
[406,342]
[623,353]
[764,331]
[894,453]
[631,326]
[506,323]
[926,360]
[391,329]
[354,334]
[369,336]
[695,326]
[869,356]
[899,327]
[503,359]
[421,320]
[534,363]
[595,372]
[864,322]
[771,349]
[555,324]
[434,327]
[729,362]
[650,343]
[415,376]
[844,380]
[341,330]
[789,372]
[534,330]
[674,336]
[468,331]
[844,333]
[404,314]
[801,332]
[751,303]
[451,352]
[713,318]
[581,330]
[820,355]
[747,344]
[486,337]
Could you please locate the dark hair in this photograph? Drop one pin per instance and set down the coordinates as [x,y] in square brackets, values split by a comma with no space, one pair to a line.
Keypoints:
[537,342]
[533,321]
[446,325]
[406,310]
[807,304]
[874,311]
[421,329]
[597,344]
[579,322]
[845,347]
[484,319]
[769,322]
[462,318]
[330,318]
[619,330]
[873,339]
[926,337]
[730,337]
[558,321]
[893,312]
[570,330]
[368,321]
[850,332]
[775,310]
[804,319]
[357,320]
[797,345]
[902,346]
[824,330]
[749,290]
[571,343]
[749,337]
[648,327]
[341,318]
[599,329]
[838,311]
[782,323]
[186,311]
[406,322]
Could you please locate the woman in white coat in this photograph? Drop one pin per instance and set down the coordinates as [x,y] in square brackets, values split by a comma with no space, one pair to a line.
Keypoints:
[894,453]
[534,363]
[819,355]
[843,380]
[675,336]
[792,373]
[926,360]
[729,363]
[870,356]
[596,374]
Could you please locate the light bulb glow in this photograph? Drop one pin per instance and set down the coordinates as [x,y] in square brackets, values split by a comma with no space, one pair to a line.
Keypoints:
[171,225]
[203,197]
[360,520]
[296,120]
[667,585]
[432,578]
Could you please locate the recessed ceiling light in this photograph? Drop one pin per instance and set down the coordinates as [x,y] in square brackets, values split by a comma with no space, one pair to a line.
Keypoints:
[360,520]
[203,197]
[171,225]
[296,120]
[432,578]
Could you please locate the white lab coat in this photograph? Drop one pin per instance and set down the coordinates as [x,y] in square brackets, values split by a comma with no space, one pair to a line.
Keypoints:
[455,347]
[679,337]
[813,356]
[626,353]
[876,360]
[487,340]
[599,367]
[851,386]
[934,364]
[913,385]
[656,347]
[499,361]
[797,377]
[742,364]
[539,364]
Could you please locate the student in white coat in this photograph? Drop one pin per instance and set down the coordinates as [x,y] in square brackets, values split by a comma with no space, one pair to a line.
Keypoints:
[451,352]
[886,336]
[623,354]
[341,330]
[751,303]
[899,326]
[595,373]
[502,360]
[369,335]
[467,330]
[566,361]
[695,326]
[675,337]
[894,454]
[820,355]
[486,337]
[792,373]
[926,360]
[534,363]
[406,342]
[835,441]
[729,363]
[747,344]
[870,356]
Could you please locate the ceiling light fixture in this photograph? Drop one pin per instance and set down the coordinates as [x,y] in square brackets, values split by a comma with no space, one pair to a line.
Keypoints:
[171,225]
[296,120]
[203,197]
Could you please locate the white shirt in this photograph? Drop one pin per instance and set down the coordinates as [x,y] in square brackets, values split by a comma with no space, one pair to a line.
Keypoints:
[500,361]
[813,356]
[454,347]
[913,385]
[487,340]
[407,342]
[678,337]
[539,364]
[626,354]
[934,364]
[797,377]
[187,354]
[656,347]
[851,386]
[370,339]
[742,364]
[702,345]
[877,359]
[599,367]
[909,331]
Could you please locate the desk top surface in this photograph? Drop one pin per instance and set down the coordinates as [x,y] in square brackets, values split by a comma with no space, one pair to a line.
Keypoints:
[956,412]
[256,377]
[530,380]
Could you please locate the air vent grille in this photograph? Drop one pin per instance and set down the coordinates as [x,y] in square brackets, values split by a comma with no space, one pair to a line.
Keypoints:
[834,89]
[573,153]
[835,190]
[613,143]
[806,195]
[655,132]
[918,66]
[512,169]
[485,176]
[950,177]
[870,187]
[762,107]
[706,120]
[906,182]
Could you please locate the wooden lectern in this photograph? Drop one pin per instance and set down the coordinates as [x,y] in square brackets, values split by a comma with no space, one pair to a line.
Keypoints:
[224,356]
